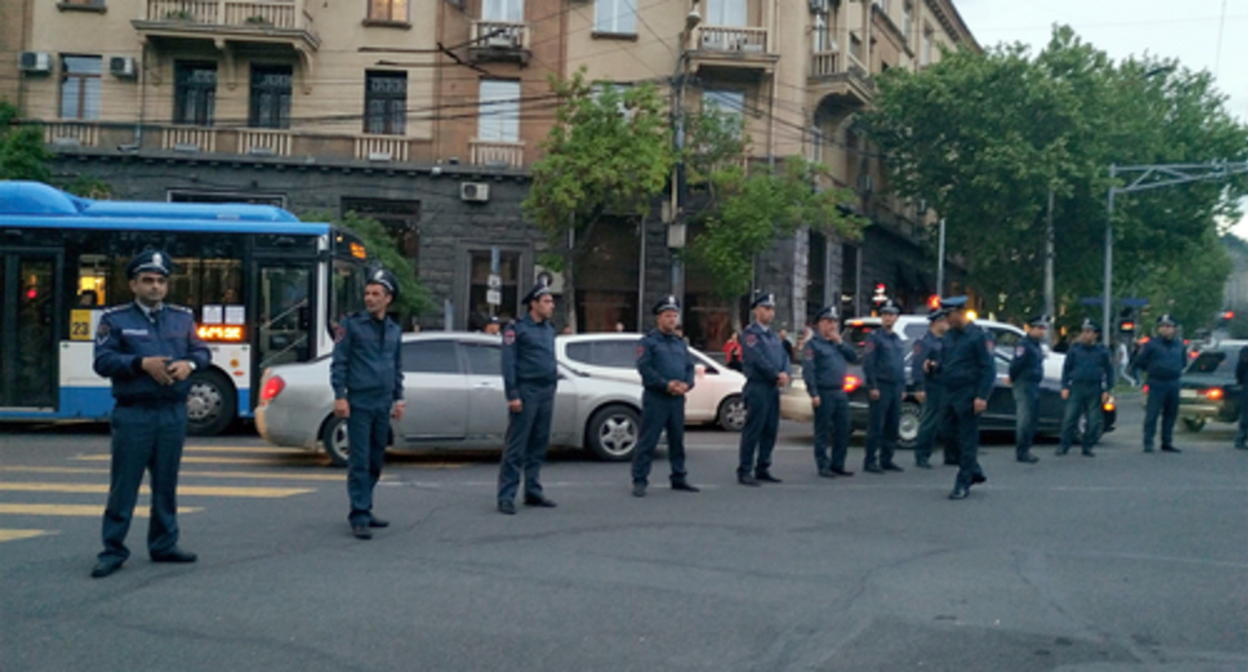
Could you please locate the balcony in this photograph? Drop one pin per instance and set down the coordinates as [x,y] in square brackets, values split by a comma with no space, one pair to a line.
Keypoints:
[734,47]
[71,134]
[283,22]
[496,154]
[840,76]
[500,41]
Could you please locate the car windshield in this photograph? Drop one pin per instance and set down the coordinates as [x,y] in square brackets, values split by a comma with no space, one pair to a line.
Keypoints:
[1214,361]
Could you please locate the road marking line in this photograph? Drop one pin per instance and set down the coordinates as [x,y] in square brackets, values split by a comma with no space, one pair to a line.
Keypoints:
[14,535]
[188,490]
[248,449]
[82,510]
[276,476]
[193,459]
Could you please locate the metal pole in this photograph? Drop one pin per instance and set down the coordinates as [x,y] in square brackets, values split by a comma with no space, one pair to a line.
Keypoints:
[1109,266]
[940,261]
[1049,308]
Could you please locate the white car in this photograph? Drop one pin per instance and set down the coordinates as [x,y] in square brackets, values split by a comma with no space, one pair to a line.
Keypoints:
[716,395]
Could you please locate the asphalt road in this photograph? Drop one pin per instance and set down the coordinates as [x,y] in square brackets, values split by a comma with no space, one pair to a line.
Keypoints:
[1124,561]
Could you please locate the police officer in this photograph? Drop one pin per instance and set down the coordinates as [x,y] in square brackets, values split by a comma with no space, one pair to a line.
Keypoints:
[1087,378]
[929,391]
[529,378]
[884,367]
[1241,379]
[824,360]
[367,376]
[1163,359]
[149,349]
[493,326]
[766,369]
[1026,372]
[667,375]
[965,368]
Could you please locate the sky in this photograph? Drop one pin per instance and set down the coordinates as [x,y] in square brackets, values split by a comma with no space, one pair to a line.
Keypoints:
[1183,29]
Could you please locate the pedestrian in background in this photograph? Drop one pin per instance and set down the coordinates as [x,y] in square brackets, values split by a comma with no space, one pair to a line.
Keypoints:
[366,373]
[929,391]
[732,352]
[530,376]
[1026,373]
[965,368]
[148,349]
[785,343]
[824,360]
[766,373]
[667,376]
[1087,378]
[884,368]
[1162,360]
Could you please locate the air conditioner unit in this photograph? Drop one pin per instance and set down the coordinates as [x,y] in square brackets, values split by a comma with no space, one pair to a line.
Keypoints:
[474,192]
[122,67]
[504,40]
[554,279]
[34,62]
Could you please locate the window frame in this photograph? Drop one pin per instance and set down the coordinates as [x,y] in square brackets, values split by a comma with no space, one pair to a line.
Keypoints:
[497,123]
[182,85]
[394,121]
[622,11]
[283,102]
[390,16]
[83,80]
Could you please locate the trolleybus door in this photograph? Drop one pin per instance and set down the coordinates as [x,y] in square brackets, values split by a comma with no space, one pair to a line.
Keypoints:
[29,332]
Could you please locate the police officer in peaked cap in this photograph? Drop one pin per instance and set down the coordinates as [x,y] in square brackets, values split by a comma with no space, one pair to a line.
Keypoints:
[667,375]
[824,360]
[1026,374]
[148,349]
[964,367]
[1087,378]
[930,392]
[766,368]
[1163,359]
[884,368]
[530,377]
[366,373]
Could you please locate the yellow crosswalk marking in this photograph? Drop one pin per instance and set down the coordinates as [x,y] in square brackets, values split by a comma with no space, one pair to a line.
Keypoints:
[13,535]
[188,490]
[77,510]
[247,449]
[267,475]
[195,459]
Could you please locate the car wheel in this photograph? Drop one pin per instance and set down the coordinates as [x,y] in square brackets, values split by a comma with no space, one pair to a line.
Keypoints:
[908,428]
[334,438]
[211,404]
[613,432]
[1193,424]
[732,413]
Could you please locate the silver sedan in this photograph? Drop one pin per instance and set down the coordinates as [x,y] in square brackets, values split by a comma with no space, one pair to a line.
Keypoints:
[454,392]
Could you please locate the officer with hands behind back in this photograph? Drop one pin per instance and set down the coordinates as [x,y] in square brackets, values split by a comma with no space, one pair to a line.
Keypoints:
[965,368]
[1026,372]
[366,373]
[149,350]
[1087,378]
[824,360]
[667,375]
[766,369]
[1163,359]
[530,376]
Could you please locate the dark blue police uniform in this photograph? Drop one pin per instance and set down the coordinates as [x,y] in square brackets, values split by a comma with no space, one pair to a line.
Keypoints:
[884,367]
[763,360]
[823,369]
[1087,373]
[530,375]
[928,346]
[1241,379]
[367,371]
[1163,360]
[965,368]
[149,419]
[1026,374]
[661,359]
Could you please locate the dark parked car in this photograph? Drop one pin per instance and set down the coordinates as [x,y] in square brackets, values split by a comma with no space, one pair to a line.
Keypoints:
[1207,390]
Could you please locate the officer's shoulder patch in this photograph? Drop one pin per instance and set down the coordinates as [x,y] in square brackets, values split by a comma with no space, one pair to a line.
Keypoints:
[340,332]
[102,332]
[809,351]
[868,346]
[1020,351]
[509,336]
[751,340]
[918,347]
[641,350]
[988,344]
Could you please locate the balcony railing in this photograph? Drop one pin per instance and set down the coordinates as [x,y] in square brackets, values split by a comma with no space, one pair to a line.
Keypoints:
[496,153]
[825,63]
[283,14]
[263,142]
[500,40]
[189,138]
[381,148]
[71,133]
[736,39]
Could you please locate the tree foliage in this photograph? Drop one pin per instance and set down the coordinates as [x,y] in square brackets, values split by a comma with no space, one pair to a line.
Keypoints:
[608,155]
[23,156]
[413,298]
[985,136]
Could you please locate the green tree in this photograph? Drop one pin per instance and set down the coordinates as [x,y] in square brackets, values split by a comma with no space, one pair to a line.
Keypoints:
[413,297]
[607,156]
[985,136]
[23,156]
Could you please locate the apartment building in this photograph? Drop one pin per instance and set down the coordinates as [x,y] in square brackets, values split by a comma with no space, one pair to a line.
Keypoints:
[426,113]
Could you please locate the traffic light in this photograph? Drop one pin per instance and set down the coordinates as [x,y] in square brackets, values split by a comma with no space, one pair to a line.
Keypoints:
[933,302]
[881,293]
[1126,325]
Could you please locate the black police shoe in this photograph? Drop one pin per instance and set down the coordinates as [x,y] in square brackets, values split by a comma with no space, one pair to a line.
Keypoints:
[827,473]
[639,489]
[175,554]
[507,506]
[892,466]
[1061,451]
[684,486]
[976,479]
[764,476]
[923,464]
[378,522]
[361,531]
[842,471]
[959,492]
[1088,453]
[1028,458]
[106,567]
[1170,449]
[539,501]
[746,479]
[872,468]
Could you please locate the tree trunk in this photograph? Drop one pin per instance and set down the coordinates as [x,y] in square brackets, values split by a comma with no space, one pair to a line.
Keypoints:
[569,290]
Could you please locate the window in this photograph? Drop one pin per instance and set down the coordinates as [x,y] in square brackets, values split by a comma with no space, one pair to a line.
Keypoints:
[80,87]
[270,96]
[907,21]
[726,12]
[401,219]
[385,103]
[498,115]
[821,36]
[195,92]
[816,145]
[613,353]
[431,357]
[387,10]
[483,359]
[615,16]
[925,53]
[509,11]
[725,100]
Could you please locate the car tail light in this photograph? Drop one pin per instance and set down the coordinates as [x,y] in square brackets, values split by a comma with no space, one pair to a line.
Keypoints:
[852,383]
[1193,354]
[1145,389]
[1213,393]
[272,388]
